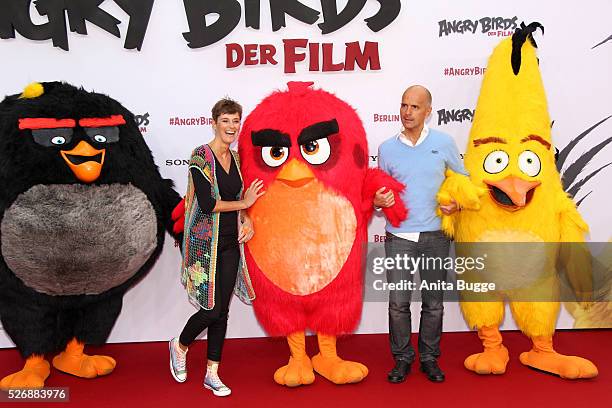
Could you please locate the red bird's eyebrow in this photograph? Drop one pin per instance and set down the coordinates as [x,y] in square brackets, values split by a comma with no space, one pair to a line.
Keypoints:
[114,120]
[45,123]
[478,142]
[537,139]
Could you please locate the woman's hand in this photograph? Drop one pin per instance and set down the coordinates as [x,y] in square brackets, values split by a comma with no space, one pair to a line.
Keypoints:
[252,193]
[245,230]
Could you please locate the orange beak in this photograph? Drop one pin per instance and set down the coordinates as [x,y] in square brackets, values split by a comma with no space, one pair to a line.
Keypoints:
[84,161]
[512,192]
[295,174]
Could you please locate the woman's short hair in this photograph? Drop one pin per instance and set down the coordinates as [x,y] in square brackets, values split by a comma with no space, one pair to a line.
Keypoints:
[226,105]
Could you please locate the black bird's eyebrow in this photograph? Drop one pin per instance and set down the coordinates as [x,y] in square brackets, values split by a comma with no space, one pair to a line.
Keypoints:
[270,137]
[318,131]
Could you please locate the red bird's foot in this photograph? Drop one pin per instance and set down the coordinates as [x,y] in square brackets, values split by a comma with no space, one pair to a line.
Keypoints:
[33,375]
[339,371]
[329,365]
[297,372]
[74,361]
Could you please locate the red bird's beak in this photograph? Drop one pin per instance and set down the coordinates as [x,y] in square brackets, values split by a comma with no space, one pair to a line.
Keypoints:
[512,193]
[84,161]
[295,174]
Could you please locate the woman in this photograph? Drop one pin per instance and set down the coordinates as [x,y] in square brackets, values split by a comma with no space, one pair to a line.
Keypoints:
[213,262]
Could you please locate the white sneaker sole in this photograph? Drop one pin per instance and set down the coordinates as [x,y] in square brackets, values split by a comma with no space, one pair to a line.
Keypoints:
[218,393]
[172,368]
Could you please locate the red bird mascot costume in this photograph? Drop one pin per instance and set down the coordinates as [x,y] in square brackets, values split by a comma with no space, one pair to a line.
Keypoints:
[306,258]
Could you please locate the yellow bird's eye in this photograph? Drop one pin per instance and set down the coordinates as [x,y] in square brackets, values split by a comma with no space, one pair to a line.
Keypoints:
[274,156]
[529,163]
[316,151]
[496,162]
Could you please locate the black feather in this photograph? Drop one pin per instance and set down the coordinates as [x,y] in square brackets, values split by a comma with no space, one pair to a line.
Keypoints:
[39,323]
[582,199]
[521,35]
[572,172]
[563,154]
[576,187]
[603,42]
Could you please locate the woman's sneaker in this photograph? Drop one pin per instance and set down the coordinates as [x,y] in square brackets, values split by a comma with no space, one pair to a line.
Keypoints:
[178,361]
[214,384]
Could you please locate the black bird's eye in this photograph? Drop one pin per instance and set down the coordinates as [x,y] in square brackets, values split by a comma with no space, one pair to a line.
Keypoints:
[52,137]
[107,134]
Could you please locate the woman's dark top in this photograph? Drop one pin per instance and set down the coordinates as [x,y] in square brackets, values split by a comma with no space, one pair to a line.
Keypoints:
[229,186]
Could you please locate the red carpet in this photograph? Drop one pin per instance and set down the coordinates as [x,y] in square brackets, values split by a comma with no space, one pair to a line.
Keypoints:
[142,378]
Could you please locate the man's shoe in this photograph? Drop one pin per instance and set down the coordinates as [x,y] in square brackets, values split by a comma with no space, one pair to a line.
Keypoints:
[432,371]
[399,372]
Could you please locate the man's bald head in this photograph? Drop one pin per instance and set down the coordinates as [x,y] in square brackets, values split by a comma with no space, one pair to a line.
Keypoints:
[419,90]
[415,108]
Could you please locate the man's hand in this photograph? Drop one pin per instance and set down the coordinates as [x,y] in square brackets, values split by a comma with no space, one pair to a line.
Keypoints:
[245,231]
[382,199]
[450,208]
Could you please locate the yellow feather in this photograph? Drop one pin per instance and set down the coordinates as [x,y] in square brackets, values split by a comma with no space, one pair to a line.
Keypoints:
[479,314]
[511,110]
[34,90]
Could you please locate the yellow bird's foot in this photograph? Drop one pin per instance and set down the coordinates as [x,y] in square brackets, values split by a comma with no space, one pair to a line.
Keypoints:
[74,361]
[570,367]
[297,372]
[33,375]
[339,371]
[490,361]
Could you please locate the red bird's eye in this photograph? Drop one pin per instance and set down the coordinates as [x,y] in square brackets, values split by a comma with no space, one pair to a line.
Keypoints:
[311,148]
[316,151]
[277,153]
[274,156]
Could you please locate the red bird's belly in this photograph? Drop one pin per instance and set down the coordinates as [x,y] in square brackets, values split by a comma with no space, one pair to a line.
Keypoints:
[303,236]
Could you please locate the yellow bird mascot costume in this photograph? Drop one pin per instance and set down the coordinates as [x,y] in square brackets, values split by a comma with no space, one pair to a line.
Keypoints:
[510,159]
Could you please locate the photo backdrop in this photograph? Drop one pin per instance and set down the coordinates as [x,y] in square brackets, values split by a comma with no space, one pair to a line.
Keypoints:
[170,61]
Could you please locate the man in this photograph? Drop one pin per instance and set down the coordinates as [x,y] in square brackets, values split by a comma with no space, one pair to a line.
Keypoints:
[418,157]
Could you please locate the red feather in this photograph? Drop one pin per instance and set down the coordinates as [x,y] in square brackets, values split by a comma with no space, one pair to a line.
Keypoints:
[375,179]
[178,216]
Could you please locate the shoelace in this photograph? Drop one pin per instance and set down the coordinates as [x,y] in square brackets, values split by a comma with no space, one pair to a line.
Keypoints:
[215,382]
[181,357]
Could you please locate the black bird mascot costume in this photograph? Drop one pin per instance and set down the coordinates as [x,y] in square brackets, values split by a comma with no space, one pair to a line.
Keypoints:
[83,214]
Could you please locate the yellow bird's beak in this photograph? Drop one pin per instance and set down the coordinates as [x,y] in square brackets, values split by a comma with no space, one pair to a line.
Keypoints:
[512,193]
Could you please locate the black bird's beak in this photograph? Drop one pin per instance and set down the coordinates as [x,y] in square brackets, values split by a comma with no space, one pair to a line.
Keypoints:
[84,161]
